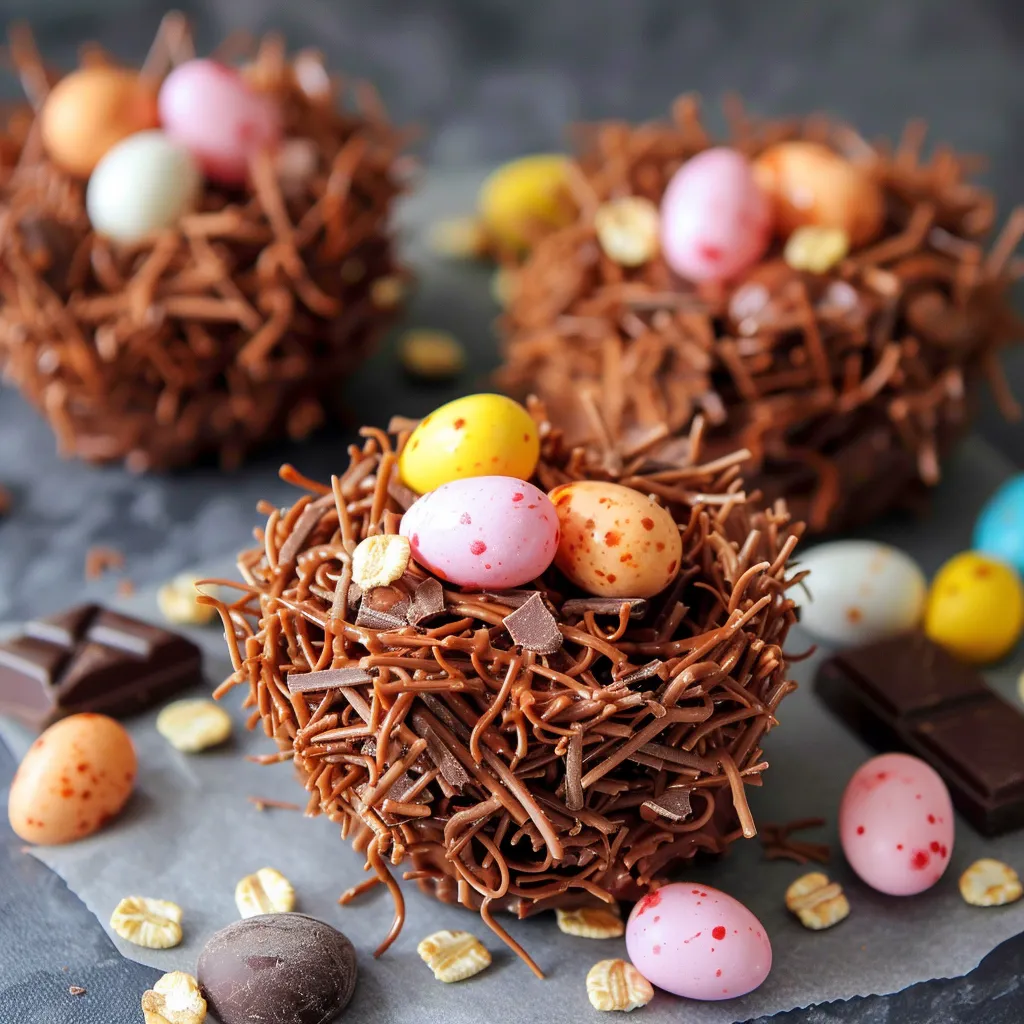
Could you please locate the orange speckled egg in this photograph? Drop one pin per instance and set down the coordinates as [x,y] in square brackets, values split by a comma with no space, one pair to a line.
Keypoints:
[89,111]
[72,781]
[615,542]
[809,183]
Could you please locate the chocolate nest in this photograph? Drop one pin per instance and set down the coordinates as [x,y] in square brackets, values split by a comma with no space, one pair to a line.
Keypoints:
[848,387]
[240,325]
[442,728]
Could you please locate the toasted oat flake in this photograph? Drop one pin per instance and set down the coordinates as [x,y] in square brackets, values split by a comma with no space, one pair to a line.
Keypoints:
[617,985]
[454,955]
[380,560]
[178,604]
[154,924]
[266,891]
[194,724]
[816,249]
[174,999]
[818,902]
[627,230]
[590,922]
[433,355]
[990,883]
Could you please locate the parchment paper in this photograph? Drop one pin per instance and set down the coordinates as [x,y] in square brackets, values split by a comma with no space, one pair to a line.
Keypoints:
[189,834]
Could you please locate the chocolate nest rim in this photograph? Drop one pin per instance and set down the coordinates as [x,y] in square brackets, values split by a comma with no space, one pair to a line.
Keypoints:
[512,779]
[848,387]
[235,327]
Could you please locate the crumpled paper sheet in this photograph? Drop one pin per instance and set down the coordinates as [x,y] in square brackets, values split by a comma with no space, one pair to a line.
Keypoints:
[189,833]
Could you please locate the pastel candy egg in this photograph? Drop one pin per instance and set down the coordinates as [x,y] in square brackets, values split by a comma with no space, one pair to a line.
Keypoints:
[860,591]
[715,221]
[698,942]
[615,542]
[75,777]
[479,435]
[999,530]
[212,111]
[524,195]
[975,608]
[491,532]
[89,111]
[144,184]
[896,824]
[811,184]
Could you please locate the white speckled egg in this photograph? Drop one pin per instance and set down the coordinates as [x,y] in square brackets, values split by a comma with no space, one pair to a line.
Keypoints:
[860,591]
[485,531]
[144,184]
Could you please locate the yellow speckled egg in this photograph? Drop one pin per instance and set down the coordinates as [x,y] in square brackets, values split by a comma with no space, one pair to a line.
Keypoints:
[75,777]
[479,435]
[614,541]
[975,608]
[89,111]
[810,184]
[524,192]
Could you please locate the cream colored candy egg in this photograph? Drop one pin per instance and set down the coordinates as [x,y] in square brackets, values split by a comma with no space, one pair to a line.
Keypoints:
[144,184]
[75,777]
[614,541]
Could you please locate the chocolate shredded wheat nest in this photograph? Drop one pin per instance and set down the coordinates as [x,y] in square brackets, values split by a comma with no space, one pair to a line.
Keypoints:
[509,778]
[848,387]
[241,324]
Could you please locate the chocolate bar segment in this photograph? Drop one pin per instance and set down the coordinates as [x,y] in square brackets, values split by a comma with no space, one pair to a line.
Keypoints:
[92,659]
[906,692]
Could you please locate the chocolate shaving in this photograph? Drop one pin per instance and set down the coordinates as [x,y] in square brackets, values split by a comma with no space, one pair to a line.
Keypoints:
[376,618]
[239,325]
[846,387]
[533,627]
[508,778]
[327,679]
[578,606]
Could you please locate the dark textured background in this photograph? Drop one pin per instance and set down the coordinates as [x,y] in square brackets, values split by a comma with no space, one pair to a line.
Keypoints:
[487,79]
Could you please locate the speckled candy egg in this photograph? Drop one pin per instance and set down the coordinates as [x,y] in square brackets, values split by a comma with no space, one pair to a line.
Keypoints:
[860,591]
[999,530]
[75,777]
[524,195]
[615,542]
[492,532]
[715,220]
[479,435]
[975,608]
[896,824]
[91,110]
[212,111]
[144,184]
[809,183]
[698,942]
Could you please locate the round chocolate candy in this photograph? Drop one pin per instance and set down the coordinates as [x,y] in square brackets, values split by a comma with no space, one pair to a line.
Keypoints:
[286,968]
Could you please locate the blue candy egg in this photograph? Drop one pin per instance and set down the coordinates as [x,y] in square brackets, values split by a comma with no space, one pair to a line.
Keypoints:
[999,530]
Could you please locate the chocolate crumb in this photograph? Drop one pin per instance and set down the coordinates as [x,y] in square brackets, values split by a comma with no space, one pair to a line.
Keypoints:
[100,559]
[533,627]
[6,501]
[76,990]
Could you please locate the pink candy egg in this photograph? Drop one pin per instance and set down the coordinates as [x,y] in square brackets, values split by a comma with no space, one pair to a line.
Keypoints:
[715,220]
[698,942]
[218,117]
[896,824]
[492,532]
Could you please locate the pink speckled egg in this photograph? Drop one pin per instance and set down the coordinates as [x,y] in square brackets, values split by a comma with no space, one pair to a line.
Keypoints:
[492,532]
[715,220]
[698,942]
[211,110]
[896,824]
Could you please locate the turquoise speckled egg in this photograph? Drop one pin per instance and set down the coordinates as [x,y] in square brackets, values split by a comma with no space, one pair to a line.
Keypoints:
[999,530]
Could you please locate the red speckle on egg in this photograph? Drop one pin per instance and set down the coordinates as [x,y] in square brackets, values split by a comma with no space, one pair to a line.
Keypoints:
[718,974]
[672,567]
[518,496]
[981,571]
[589,524]
[718,933]
[860,830]
[459,423]
[627,557]
[899,846]
[882,776]
[935,847]
[487,565]
[526,437]
[531,506]
[611,577]
[657,918]
[652,899]
[86,794]
[931,819]
[465,519]
[854,615]
[711,253]
[612,539]
[66,792]
[83,767]
[415,540]
[920,860]
[656,950]
[647,524]
[659,546]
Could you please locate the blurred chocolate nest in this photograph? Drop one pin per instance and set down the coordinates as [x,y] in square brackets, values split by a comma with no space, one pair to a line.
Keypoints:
[847,386]
[238,326]
[522,749]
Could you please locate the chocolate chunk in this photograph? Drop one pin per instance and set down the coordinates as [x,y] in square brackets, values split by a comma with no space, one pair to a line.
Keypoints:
[91,659]
[427,602]
[673,804]
[376,618]
[533,627]
[605,606]
[908,693]
[445,761]
[307,522]
[285,968]
[648,671]
[327,679]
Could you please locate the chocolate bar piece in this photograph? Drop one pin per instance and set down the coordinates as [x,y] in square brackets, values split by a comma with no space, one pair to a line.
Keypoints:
[91,659]
[906,692]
